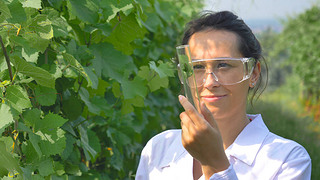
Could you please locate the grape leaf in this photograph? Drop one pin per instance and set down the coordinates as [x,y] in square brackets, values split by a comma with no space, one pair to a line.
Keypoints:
[144,72]
[116,90]
[95,104]
[46,167]
[32,3]
[8,163]
[36,42]
[70,140]
[8,141]
[125,31]
[136,87]
[156,83]
[28,53]
[55,3]
[17,12]
[89,152]
[40,75]
[4,12]
[45,96]
[35,139]
[164,69]
[84,11]
[72,106]
[42,26]
[153,22]
[110,62]
[5,117]
[30,56]
[17,98]
[53,143]
[49,123]
[31,117]
[85,72]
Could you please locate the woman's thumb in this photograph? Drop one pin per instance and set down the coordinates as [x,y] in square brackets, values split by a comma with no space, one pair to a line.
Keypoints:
[208,115]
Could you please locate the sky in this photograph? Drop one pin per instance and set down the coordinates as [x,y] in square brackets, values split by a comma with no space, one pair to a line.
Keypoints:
[261,9]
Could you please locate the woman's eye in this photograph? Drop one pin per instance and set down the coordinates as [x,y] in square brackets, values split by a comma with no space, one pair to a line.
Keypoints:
[223,65]
[198,67]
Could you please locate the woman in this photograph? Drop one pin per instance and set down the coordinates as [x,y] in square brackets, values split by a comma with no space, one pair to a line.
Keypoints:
[222,141]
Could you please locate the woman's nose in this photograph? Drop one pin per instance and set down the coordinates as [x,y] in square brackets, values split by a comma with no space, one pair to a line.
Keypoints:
[211,81]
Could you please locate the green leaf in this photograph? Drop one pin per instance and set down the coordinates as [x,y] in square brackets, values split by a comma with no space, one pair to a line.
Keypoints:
[125,31]
[117,160]
[127,106]
[8,141]
[30,56]
[94,81]
[89,152]
[111,7]
[101,89]
[4,12]
[36,42]
[145,73]
[45,96]
[105,28]
[8,163]
[96,104]
[116,90]
[50,123]
[156,83]
[31,117]
[24,128]
[165,10]
[35,140]
[41,76]
[94,140]
[72,106]
[84,11]
[70,140]
[5,116]
[164,69]
[55,3]
[153,22]
[42,26]
[17,98]
[54,143]
[136,87]
[110,62]
[17,11]
[32,3]
[46,167]
[83,71]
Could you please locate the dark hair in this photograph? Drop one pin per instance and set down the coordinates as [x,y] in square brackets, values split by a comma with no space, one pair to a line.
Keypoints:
[248,44]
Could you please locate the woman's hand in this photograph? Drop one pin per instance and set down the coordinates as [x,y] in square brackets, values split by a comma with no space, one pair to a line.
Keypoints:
[201,138]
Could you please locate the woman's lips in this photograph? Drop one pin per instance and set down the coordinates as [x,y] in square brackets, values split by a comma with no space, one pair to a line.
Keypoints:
[212,98]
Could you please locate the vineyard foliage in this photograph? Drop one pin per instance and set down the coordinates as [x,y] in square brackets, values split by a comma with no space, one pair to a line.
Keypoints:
[84,84]
[300,41]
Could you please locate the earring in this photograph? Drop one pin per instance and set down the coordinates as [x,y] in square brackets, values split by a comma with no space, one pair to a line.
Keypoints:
[252,84]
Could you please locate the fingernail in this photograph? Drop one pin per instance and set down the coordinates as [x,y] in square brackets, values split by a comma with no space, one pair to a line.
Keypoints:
[180,97]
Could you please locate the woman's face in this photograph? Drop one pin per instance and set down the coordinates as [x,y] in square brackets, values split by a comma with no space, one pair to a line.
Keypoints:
[222,100]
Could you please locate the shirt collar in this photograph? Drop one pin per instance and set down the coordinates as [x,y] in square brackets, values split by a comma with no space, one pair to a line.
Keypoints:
[249,141]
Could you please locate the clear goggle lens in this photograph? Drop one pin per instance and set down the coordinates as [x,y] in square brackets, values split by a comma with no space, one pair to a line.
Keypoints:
[226,71]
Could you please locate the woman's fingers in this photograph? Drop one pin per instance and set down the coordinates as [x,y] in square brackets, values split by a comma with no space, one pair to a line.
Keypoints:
[193,114]
[208,115]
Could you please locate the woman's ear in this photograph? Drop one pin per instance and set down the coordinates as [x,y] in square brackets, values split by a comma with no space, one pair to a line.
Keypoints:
[255,75]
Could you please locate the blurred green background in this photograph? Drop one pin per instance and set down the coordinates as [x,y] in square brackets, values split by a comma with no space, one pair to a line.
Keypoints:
[109,79]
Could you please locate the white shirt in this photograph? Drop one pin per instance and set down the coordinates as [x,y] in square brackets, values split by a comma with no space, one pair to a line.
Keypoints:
[255,154]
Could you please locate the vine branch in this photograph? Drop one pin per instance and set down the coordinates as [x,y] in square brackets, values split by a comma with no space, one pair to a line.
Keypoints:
[7,58]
